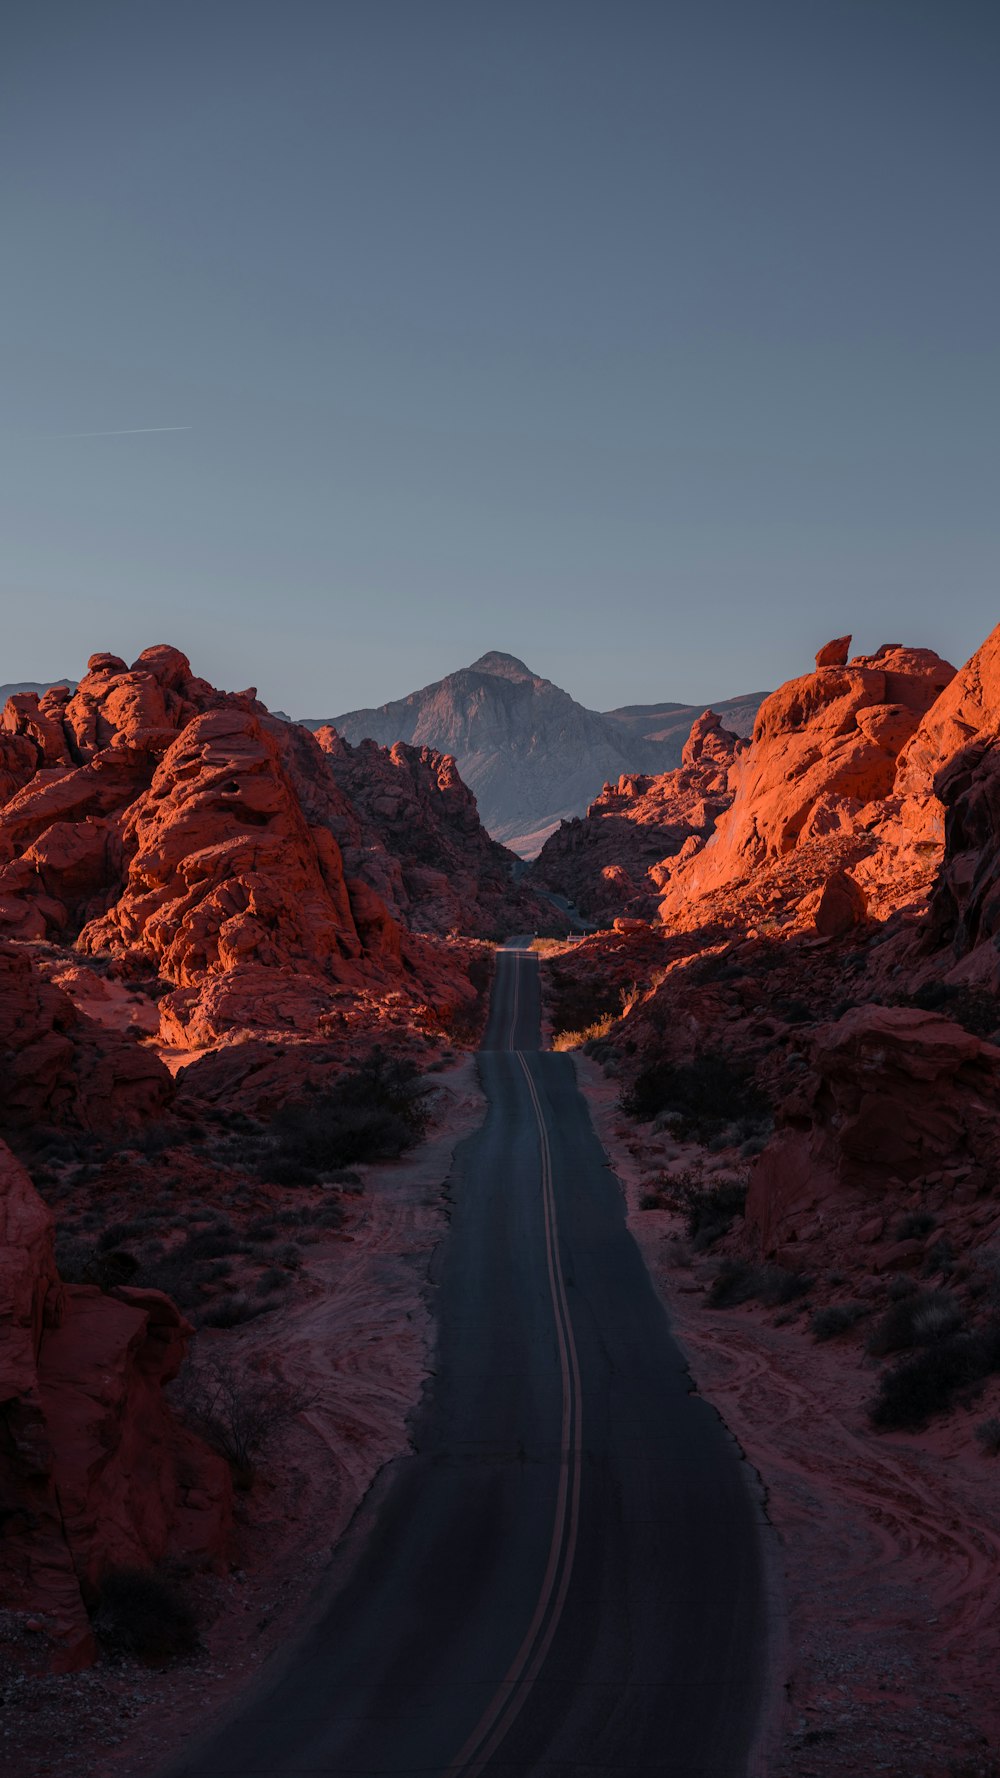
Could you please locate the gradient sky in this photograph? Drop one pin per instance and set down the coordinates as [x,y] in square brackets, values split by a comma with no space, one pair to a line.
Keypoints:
[654,341]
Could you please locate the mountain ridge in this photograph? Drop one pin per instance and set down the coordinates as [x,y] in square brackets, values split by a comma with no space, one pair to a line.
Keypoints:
[529,751]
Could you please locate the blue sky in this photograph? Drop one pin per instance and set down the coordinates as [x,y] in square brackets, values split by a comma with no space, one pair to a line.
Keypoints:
[654,342]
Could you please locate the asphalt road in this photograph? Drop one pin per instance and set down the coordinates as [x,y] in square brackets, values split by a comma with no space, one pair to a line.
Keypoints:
[567,1576]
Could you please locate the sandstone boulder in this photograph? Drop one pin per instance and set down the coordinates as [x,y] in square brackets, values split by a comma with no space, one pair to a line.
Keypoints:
[842,906]
[95,1473]
[835,653]
[821,765]
[892,1093]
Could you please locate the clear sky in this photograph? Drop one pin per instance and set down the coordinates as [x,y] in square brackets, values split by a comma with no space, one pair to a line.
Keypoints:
[654,341]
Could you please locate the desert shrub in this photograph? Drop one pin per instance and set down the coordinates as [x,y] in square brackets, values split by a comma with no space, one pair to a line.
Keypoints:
[376,1113]
[154,1139]
[917,1319]
[929,1382]
[140,1612]
[329,1216]
[574,1040]
[703,1094]
[975,1009]
[79,1262]
[709,1210]
[578,1002]
[738,1282]
[912,1227]
[940,1258]
[117,1232]
[988,1434]
[239,1415]
[835,1319]
[270,1281]
[230,1310]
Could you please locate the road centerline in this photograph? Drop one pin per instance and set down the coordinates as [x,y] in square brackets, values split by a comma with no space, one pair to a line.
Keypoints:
[514,1689]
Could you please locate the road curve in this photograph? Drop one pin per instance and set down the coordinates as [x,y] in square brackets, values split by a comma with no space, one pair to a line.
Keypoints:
[567,1575]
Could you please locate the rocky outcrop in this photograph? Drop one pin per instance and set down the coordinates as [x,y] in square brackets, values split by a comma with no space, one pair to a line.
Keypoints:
[223,877]
[529,752]
[95,1472]
[819,783]
[893,1097]
[419,833]
[206,846]
[952,768]
[835,653]
[613,860]
[57,1067]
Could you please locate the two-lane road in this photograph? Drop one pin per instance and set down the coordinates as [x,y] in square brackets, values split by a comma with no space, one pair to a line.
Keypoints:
[566,1576]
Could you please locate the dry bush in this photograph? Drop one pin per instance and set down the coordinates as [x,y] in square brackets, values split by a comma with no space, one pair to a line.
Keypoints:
[930,1381]
[140,1612]
[702,1095]
[240,1414]
[988,1434]
[574,1040]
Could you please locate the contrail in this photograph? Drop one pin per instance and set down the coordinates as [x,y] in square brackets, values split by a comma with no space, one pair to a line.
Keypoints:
[120,432]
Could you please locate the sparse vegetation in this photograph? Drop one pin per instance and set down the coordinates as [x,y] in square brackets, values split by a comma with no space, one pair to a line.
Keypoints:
[578,1005]
[700,1096]
[834,1319]
[920,1318]
[709,1210]
[738,1282]
[988,1434]
[914,1226]
[574,1040]
[142,1613]
[240,1415]
[931,1380]
[975,1009]
[376,1113]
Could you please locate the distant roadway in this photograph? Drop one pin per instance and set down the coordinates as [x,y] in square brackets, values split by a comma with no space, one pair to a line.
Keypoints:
[567,1575]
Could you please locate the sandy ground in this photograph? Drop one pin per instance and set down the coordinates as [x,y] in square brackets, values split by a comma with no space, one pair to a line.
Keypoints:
[890,1542]
[358,1339]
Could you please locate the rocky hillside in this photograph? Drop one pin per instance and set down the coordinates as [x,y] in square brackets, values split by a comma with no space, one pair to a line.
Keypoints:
[820,989]
[219,856]
[531,754]
[613,860]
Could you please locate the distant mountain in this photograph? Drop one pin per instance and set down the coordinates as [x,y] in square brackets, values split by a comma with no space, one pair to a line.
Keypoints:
[38,685]
[531,753]
[671,723]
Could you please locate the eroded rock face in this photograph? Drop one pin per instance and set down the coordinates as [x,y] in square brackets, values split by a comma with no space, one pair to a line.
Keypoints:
[196,839]
[953,764]
[95,1473]
[616,858]
[893,1094]
[58,1067]
[822,767]
[419,827]
[221,869]
[835,653]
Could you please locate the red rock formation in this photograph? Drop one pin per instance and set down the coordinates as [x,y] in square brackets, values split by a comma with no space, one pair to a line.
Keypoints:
[835,653]
[198,839]
[58,1067]
[224,878]
[822,767]
[95,1473]
[615,858]
[842,906]
[438,869]
[893,1095]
